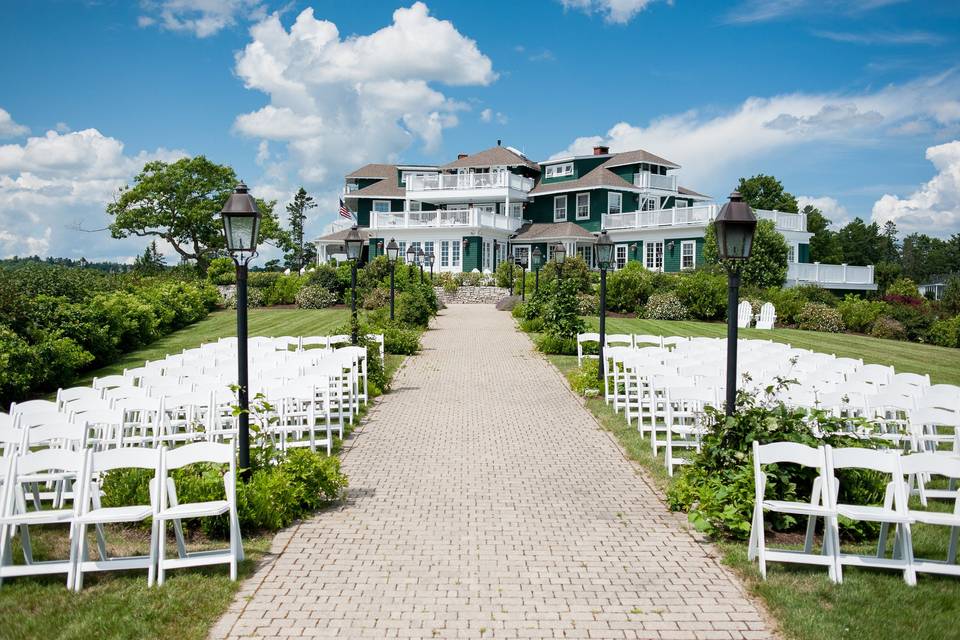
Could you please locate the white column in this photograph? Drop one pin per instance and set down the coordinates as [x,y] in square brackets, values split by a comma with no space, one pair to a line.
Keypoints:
[816,272]
[844,265]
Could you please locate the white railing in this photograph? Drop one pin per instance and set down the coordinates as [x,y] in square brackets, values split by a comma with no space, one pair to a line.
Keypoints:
[647,180]
[444,218]
[830,274]
[681,216]
[495,180]
[783,221]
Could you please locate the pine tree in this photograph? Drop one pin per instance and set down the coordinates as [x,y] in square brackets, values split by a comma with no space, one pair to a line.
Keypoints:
[299,254]
[151,262]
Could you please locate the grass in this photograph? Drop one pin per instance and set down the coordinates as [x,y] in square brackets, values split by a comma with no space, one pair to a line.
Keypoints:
[119,604]
[942,363]
[869,605]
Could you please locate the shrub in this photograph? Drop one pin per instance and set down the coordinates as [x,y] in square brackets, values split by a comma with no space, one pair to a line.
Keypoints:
[629,288]
[588,304]
[533,325]
[222,271]
[703,294]
[859,314]
[376,298]
[325,276]
[886,327]
[814,293]
[412,308]
[398,340]
[471,279]
[788,303]
[561,318]
[583,379]
[945,333]
[255,298]
[557,345]
[574,270]
[262,279]
[904,287]
[664,306]
[285,289]
[16,365]
[819,317]
[951,295]
[312,296]
[915,314]
[506,273]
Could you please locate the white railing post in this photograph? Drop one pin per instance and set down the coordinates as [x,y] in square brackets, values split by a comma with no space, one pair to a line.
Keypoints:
[406,219]
[844,265]
[816,272]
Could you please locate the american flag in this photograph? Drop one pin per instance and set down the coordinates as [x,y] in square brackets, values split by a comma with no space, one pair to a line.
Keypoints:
[344,212]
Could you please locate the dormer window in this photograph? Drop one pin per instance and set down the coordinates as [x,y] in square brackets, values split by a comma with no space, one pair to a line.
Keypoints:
[559,170]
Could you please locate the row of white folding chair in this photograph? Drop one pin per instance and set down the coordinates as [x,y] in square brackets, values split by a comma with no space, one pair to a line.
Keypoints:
[685,426]
[88,467]
[824,503]
[300,406]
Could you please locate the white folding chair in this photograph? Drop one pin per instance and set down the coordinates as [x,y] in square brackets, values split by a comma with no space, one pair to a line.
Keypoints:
[91,512]
[685,413]
[74,394]
[172,510]
[926,465]
[894,510]
[23,470]
[820,505]
[583,338]
[109,382]
[378,338]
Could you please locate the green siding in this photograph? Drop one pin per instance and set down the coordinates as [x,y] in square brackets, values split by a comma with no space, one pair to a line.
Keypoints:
[365,206]
[804,253]
[540,209]
[470,255]
[374,251]
[671,259]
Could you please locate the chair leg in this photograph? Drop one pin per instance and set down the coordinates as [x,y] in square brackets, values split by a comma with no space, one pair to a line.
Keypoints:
[882,542]
[752,545]
[152,571]
[78,554]
[161,551]
[906,544]
[811,530]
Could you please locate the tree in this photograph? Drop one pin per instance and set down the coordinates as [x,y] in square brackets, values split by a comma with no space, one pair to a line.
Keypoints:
[180,202]
[299,255]
[766,192]
[767,266]
[861,243]
[151,262]
[823,242]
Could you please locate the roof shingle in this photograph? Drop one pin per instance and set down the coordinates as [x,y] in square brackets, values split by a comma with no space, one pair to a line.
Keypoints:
[538,231]
[637,156]
[492,157]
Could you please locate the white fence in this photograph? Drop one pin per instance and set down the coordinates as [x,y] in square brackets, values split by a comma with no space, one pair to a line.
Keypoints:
[444,218]
[831,275]
[783,221]
[647,180]
[678,217]
[498,179]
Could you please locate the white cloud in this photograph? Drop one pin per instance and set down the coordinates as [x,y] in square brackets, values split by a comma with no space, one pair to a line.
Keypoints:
[713,148]
[486,115]
[202,18]
[9,128]
[489,115]
[832,210]
[934,208]
[750,11]
[883,37]
[50,183]
[339,102]
[616,11]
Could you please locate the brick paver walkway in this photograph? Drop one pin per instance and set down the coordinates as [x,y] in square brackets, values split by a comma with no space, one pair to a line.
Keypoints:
[485,502]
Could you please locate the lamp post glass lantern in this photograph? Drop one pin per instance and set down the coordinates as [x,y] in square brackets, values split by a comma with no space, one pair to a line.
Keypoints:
[735,227]
[241,227]
[354,244]
[604,259]
[393,253]
[523,279]
[536,256]
[430,260]
[559,255]
[420,259]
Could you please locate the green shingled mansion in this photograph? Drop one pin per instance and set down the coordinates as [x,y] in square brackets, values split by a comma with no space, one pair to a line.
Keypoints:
[481,208]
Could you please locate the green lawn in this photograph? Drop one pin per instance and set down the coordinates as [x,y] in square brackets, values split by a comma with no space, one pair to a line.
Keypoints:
[119,604]
[870,604]
[942,363]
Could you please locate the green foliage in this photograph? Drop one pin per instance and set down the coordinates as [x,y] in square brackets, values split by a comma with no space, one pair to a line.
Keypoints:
[629,288]
[951,295]
[561,315]
[889,329]
[717,489]
[222,271]
[299,253]
[584,378]
[819,317]
[74,284]
[262,279]
[285,289]
[767,266]
[703,294]
[588,304]
[180,202]
[312,296]
[507,273]
[376,298]
[904,287]
[664,306]
[766,192]
[325,276]
[413,308]
[574,269]
[151,262]
[556,345]
[945,333]
[471,279]
[859,314]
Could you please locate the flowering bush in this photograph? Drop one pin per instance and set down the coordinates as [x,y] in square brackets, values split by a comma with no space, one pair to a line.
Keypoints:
[664,306]
[886,327]
[314,296]
[819,317]
[903,287]
[589,304]
[376,298]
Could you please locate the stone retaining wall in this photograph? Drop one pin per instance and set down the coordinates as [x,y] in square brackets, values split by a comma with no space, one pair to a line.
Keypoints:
[472,295]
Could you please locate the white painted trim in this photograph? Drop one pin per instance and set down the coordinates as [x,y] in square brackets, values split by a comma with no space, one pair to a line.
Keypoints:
[620,197]
[556,173]
[565,209]
[576,206]
[684,243]
[373,206]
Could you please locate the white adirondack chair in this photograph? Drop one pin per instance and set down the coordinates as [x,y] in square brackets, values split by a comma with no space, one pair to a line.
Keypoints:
[767,317]
[744,314]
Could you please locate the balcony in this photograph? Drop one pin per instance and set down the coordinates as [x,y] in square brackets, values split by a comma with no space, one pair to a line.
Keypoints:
[831,276]
[697,216]
[444,218]
[783,221]
[460,187]
[647,180]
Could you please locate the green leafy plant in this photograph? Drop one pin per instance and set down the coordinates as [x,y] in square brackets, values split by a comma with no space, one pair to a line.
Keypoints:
[313,296]
[819,317]
[628,288]
[664,306]
[889,329]
[859,314]
[703,294]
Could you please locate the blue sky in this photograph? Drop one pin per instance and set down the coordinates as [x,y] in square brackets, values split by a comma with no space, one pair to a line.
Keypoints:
[854,105]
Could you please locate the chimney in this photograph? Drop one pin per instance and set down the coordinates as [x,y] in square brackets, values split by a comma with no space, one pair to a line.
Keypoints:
[498,142]
[601,150]
[461,156]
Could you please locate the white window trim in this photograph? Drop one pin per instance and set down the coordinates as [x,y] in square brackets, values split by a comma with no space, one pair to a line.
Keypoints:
[556,201]
[416,205]
[650,261]
[619,197]
[688,243]
[373,207]
[618,250]
[559,170]
[577,205]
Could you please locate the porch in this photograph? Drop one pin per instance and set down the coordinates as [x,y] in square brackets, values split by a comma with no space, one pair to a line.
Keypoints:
[831,276]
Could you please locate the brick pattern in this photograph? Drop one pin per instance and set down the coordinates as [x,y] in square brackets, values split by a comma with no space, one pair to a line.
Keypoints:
[485,502]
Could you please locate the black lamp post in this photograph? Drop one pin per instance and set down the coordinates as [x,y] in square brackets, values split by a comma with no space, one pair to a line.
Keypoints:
[523,279]
[241,225]
[420,258]
[604,258]
[559,255]
[735,226]
[536,257]
[354,244]
[393,252]
[430,260]
[411,255]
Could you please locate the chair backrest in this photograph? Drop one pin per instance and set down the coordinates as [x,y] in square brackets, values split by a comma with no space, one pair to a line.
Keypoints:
[618,339]
[939,398]
[74,394]
[30,406]
[792,452]
[215,452]
[692,395]
[588,337]
[332,341]
[125,458]
[931,463]
[913,379]
[84,405]
[10,439]
[674,340]
[931,416]
[108,382]
[38,418]
[882,460]
[767,317]
[647,339]
[60,434]
[744,314]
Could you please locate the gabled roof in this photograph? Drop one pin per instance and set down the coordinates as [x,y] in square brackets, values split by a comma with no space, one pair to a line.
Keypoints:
[340,236]
[690,192]
[635,157]
[386,188]
[539,231]
[597,177]
[375,171]
[494,156]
